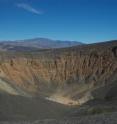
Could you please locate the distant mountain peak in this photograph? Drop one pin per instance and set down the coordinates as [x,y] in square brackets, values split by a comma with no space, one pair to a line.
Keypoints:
[36,43]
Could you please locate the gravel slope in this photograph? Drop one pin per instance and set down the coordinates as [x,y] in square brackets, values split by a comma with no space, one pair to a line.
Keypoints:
[97,119]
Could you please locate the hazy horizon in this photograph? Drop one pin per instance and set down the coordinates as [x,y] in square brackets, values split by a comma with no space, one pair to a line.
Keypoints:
[85,42]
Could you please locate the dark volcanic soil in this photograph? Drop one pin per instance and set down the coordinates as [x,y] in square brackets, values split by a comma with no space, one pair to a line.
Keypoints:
[97,119]
[24,108]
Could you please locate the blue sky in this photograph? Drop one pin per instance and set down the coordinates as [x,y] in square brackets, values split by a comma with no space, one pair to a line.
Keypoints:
[80,20]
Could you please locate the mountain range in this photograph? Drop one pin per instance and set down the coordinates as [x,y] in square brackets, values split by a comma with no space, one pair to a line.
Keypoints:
[35,44]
